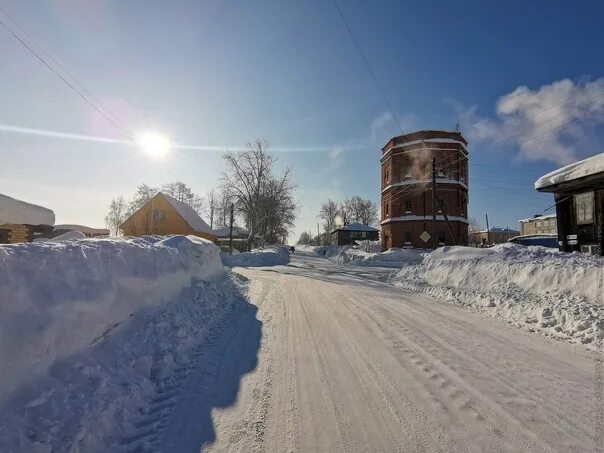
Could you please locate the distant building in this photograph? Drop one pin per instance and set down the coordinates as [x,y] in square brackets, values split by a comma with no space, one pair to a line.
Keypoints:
[240,237]
[539,224]
[579,193]
[407,190]
[165,215]
[347,235]
[492,236]
[543,240]
[19,220]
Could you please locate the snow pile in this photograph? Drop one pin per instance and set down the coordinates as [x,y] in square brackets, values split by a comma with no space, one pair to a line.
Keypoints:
[57,298]
[267,256]
[68,236]
[585,167]
[93,399]
[19,212]
[357,255]
[558,293]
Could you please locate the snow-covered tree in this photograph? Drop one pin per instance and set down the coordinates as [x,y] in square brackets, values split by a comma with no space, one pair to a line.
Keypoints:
[305,238]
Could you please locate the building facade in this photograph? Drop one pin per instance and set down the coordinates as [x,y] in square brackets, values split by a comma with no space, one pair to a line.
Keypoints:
[164,215]
[579,193]
[406,197]
[349,234]
[495,235]
[539,224]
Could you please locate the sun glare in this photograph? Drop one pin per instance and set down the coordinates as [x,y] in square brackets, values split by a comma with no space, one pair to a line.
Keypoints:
[153,144]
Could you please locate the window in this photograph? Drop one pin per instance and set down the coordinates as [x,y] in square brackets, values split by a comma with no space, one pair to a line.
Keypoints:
[159,214]
[386,209]
[407,237]
[441,237]
[406,172]
[407,206]
[387,177]
[440,204]
[584,208]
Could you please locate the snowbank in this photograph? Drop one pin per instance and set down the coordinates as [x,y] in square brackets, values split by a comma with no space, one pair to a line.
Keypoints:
[57,298]
[268,256]
[357,255]
[558,293]
[19,212]
[93,400]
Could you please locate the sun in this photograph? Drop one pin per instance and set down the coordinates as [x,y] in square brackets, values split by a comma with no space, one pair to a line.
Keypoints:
[155,145]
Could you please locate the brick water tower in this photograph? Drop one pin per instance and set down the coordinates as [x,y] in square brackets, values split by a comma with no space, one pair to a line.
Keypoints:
[425,190]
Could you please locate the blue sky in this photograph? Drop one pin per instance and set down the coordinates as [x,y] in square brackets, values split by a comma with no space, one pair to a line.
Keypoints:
[218,73]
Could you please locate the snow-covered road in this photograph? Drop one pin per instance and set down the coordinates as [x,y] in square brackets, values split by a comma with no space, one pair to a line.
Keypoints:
[348,363]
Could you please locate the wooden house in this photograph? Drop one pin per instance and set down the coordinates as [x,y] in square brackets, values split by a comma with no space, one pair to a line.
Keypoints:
[164,215]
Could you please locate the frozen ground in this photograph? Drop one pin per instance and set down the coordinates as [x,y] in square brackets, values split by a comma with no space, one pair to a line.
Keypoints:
[268,256]
[350,363]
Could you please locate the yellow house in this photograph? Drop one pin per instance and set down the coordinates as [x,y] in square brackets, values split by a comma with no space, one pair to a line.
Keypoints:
[165,215]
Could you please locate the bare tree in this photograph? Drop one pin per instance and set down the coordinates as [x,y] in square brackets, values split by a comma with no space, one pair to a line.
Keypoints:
[116,215]
[305,238]
[266,202]
[357,209]
[328,214]
[142,195]
[224,199]
[182,192]
[210,207]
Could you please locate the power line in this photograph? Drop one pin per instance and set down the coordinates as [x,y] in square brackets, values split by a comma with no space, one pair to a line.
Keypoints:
[371,73]
[62,78]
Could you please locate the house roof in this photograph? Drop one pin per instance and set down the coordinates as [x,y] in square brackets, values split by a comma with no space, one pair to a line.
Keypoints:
[223,231]
[356,226]
[499,230]
[15,211]
[539,217]
[581,169]
[82,229]
[188,214]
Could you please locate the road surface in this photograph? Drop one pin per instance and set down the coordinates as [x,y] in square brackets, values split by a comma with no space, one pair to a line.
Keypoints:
[349,363]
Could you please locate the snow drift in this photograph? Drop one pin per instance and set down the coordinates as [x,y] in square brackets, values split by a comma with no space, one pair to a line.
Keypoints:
[57,298]
[558,293]
[356,255]
[268,256]
[20,212]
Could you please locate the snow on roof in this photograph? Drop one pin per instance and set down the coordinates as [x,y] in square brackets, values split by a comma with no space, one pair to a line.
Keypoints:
[82,229]
[356,226]
[19,212]
[498,230]
[586,167]
[189,214]
[538,217]
[223,231]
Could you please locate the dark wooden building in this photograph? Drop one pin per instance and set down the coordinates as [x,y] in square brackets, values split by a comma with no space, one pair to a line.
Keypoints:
[347,235]
[579,193]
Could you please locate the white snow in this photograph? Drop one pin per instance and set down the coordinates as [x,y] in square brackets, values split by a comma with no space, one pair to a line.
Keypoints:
[410,182]
[409,218]
[580,169]
[267,256]
[13,211]
[83,229]
[357,255]
[189,214]
[224,231]
[356,226]
[69,236]
[56,298]
[540,217]
[551,291]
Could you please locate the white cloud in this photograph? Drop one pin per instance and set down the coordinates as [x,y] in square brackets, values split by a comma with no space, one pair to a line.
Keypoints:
[553,122]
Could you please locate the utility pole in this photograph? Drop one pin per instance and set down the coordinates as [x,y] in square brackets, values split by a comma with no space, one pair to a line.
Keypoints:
[434,203]
[442,208]
[318,237]
[231,231]
[488,231]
